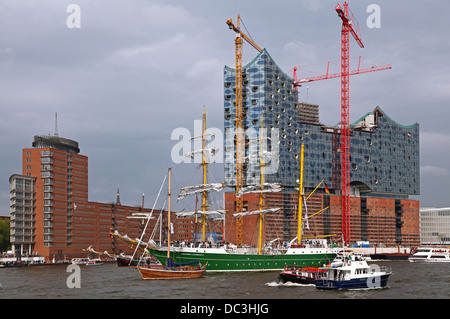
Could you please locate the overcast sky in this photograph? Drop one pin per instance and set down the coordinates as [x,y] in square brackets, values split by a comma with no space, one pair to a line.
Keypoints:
[136,70]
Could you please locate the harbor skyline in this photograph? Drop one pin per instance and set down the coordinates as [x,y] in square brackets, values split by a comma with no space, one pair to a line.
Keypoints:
[135,71]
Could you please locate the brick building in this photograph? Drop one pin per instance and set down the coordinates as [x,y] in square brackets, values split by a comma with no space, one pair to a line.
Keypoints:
[49,208]
[377,220]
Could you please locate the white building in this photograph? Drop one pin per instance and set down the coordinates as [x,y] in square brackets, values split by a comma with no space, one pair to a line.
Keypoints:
[435,225]
[22,203]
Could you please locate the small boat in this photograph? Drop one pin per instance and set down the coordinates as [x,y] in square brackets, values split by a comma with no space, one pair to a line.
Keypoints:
[299,275]
[172,270]
[94,262]
[80,261]
[431,254]
[354,274]
[87,261]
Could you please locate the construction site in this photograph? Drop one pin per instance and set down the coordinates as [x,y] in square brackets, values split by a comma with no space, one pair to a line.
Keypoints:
[361,174]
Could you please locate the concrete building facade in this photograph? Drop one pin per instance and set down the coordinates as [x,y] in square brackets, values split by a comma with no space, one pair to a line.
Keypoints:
[435,226]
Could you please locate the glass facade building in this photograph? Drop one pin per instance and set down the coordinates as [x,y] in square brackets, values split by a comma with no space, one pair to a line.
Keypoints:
[384,155]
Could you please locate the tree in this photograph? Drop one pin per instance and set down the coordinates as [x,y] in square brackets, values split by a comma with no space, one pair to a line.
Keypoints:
[5,244]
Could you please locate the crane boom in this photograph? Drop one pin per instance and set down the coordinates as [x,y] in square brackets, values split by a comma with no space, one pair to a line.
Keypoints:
[349,22]
[298,82]
[243,35]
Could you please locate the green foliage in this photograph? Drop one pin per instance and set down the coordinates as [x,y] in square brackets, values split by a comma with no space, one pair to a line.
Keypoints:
[4,235]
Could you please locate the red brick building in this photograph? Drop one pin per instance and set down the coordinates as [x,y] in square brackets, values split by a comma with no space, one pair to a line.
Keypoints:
[377,220]
[50,211]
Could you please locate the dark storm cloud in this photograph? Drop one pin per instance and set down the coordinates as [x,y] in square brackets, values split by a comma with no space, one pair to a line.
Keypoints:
[136,70]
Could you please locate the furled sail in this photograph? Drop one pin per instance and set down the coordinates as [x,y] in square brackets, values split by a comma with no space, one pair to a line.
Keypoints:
[263,154]
[263,188]
[208,151]
[255,212]
[200,212]
[141,215]
[190,190]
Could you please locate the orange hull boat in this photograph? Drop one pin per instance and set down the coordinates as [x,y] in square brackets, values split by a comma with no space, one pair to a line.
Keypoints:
[179,273]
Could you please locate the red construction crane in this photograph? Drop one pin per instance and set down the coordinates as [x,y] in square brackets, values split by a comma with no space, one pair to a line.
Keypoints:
[327,75]
[348,26]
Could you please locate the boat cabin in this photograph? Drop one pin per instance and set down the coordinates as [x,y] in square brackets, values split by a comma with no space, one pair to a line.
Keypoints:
[355,270]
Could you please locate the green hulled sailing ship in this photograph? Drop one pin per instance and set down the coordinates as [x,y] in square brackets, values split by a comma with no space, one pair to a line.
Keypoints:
[220,257]
[244,259]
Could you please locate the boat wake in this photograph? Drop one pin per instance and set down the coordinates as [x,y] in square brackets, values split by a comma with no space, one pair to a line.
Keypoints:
[287,284]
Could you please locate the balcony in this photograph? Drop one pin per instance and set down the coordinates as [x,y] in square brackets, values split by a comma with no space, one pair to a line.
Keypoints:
[46,153]
[46,174]
[46,160]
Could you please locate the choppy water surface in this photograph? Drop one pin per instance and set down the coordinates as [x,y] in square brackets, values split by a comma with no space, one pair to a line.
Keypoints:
[409,281]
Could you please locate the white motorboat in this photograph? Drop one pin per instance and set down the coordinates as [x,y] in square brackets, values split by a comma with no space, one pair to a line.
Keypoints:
[87,261]
[80,261]
[353,274]
[431,254]
[94,262]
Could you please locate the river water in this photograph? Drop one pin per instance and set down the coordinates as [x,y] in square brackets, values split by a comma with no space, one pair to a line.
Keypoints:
[408,281]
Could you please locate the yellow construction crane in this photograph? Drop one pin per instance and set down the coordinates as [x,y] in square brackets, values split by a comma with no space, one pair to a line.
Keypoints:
[239,127]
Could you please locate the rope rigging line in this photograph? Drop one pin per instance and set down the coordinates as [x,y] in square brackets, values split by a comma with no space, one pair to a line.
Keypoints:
[149,216]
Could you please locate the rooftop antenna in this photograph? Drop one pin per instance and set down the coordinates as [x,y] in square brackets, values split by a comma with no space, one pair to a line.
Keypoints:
[56,123]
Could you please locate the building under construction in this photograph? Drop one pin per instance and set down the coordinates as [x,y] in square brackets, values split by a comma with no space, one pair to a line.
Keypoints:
[384,162]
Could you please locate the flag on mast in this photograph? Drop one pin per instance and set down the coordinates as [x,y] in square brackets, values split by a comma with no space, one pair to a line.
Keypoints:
[327,190]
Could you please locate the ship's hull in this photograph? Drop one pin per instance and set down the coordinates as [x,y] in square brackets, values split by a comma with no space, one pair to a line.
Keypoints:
[298,279]
[161,273]
[219,260]
[298,275]
[355,283]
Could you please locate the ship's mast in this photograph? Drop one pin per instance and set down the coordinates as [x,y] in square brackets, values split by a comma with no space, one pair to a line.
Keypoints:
[168,219]
[204,165]
[202,188]
[300,197]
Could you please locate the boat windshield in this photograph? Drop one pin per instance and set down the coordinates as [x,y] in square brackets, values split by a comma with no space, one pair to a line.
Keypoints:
[360,271]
